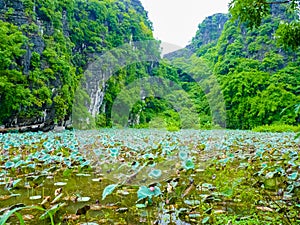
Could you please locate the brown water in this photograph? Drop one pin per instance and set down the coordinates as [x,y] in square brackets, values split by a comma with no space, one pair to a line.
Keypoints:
[109,211]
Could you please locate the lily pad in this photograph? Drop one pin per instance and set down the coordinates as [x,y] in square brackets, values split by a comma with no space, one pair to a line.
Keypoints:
[36,197]
[188,164]
[108,190]
[97,179]
[123,192]
[194,215]
[140,206]
[60,184]
[155,174]
[83,199]
[89,223]
[83,175]
[145,192]
[205,220]
[293,176]
[192,202]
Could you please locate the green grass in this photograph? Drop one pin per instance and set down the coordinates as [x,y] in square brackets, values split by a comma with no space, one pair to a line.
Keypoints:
[278,128]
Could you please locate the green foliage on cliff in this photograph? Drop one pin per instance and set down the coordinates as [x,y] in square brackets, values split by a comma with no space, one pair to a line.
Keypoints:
[15,93]
[258,76]
[229,76]
[49,44]
[252,12]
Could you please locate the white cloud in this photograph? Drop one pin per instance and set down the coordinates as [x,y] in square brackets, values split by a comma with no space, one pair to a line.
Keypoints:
[176,21]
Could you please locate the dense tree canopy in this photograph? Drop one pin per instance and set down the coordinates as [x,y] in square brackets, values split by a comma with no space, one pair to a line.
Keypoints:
[259,79]
[46,47]
[252,12]
[248,70]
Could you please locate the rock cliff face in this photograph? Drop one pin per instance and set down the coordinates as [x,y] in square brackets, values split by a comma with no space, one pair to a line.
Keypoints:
[212,28]
[209,31]
[55,41]
[14,12]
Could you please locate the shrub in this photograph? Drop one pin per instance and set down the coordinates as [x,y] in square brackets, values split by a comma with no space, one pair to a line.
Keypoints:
[277,128]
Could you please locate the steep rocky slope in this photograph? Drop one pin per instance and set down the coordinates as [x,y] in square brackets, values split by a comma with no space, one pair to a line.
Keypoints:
[46,47]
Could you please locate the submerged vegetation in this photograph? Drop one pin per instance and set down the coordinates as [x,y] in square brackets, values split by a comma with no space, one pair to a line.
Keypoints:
[150,177]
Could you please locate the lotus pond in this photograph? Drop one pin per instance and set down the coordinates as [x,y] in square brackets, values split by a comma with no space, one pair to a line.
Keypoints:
[130,176]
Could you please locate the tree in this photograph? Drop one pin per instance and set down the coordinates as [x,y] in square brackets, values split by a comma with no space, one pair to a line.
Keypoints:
[252,13]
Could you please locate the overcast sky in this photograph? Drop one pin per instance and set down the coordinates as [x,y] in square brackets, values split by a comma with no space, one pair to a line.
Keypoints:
[176,21]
